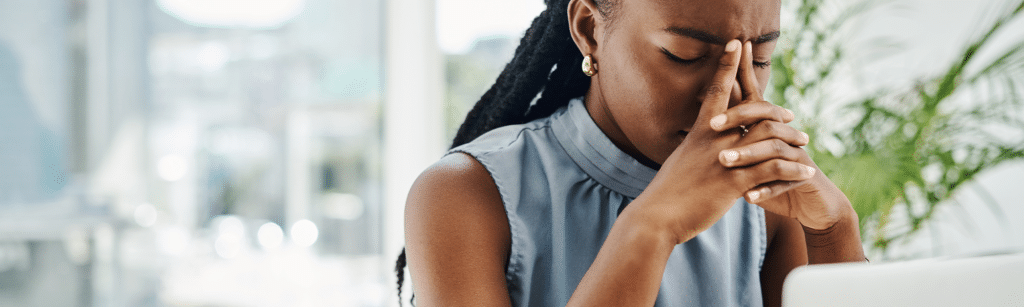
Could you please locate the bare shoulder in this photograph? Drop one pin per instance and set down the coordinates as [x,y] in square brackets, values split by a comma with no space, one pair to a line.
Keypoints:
[457,235]
[457,187]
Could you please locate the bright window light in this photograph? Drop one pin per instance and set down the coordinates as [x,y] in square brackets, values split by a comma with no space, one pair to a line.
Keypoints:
[342,206]
[460,23]
[228,245]
[173,240]
[256,14]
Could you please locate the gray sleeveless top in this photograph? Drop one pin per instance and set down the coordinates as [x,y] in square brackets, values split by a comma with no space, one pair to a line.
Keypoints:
[563,183]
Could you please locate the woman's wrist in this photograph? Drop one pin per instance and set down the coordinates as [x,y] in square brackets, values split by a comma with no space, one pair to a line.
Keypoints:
[837,243]
[648,224]
[628,269]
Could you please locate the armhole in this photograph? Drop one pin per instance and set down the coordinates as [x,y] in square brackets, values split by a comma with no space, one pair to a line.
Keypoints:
[513,262]
[763,222]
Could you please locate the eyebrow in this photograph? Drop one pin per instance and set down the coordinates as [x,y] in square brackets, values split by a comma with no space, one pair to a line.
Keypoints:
[709,38]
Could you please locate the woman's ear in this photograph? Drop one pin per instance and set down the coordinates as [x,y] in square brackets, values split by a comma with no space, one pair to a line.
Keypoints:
[583,22]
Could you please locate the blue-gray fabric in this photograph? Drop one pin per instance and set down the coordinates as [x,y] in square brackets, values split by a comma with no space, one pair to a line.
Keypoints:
[563,183]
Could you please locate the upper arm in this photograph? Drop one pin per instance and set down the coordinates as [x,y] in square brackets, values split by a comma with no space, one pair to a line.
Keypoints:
[457,236]
[786,251]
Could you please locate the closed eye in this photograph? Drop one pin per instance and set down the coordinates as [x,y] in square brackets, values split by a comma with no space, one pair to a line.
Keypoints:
[763,64]
[677,59]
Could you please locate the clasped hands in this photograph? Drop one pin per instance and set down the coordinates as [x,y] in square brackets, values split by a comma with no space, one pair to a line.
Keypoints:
[743,151]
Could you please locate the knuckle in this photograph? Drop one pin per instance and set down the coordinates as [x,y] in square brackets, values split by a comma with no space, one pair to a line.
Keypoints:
[743,111]
[770,128]
[726,64]
[778,147]
[779,113]
[778,166]
[796,153]
[716,88]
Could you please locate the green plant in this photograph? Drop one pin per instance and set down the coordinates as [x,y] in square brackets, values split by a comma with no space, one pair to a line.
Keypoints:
[911,147]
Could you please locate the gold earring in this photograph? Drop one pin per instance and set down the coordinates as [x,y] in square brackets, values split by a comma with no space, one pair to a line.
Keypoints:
[589,66]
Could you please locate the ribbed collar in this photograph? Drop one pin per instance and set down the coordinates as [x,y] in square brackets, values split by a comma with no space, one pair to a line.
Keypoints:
[595,153]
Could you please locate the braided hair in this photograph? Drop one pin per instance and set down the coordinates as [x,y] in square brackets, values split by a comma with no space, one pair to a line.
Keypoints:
[546,63]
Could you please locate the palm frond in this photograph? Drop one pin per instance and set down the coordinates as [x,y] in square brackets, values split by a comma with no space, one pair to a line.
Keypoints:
[902,133]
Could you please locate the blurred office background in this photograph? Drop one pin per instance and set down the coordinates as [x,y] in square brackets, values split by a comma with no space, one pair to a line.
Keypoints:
[257,153]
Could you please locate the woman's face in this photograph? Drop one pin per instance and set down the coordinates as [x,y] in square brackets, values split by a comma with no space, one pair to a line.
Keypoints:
[656,60]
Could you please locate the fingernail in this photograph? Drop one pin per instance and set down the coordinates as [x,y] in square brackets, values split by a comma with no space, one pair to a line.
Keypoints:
[753,195]
[791,115]
[718,121]
[732,46]
[730,156]
[807,138]
[809,171]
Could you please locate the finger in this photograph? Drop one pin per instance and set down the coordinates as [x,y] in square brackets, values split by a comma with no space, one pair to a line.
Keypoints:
[749,86]
[716,98]
[759,152]
[750,113]
[770,190]
[767,130]
[773,170]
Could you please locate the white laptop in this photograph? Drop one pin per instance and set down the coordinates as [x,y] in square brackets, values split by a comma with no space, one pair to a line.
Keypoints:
[977,281]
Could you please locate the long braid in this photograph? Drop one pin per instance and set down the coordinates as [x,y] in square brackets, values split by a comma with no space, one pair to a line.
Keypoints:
[566,82]
[400,272]
[545,45]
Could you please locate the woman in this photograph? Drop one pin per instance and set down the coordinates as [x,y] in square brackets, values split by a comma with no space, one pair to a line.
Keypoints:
[655,174]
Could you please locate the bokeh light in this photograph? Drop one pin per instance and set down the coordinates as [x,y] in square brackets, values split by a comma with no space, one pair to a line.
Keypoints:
[171,168]
[145,215]
[270,236]
[304,233]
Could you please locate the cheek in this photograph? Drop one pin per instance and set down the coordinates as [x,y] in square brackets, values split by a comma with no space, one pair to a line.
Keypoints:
[654,91]
[630,87]
[651,98]
[679,96]
[763,76]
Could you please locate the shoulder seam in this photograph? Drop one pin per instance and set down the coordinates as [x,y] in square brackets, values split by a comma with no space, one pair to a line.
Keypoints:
[519,135]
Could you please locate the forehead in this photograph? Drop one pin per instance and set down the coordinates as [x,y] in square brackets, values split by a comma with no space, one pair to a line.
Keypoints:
[742,19]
